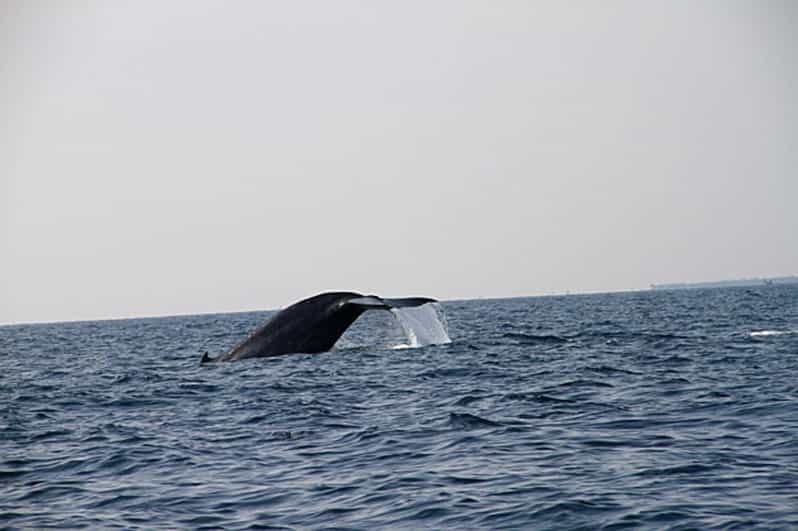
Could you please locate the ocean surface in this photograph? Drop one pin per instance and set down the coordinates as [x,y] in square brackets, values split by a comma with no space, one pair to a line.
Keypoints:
[672,409]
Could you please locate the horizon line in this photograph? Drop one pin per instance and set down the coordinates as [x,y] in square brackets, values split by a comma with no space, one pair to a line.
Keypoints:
[651,287]
[200,313]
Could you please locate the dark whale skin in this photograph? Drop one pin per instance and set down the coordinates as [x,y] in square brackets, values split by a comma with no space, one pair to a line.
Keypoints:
[312,325]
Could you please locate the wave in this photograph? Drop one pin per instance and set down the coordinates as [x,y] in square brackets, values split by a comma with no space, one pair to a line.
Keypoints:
[467,421]
[527,339]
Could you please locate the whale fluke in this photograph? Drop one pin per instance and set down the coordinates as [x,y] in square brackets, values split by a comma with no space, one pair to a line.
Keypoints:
[311,325]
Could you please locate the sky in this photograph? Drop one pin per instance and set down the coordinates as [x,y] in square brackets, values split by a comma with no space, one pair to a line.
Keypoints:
[173,157]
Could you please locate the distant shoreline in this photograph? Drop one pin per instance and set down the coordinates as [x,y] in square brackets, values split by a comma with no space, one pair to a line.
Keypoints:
[745,282]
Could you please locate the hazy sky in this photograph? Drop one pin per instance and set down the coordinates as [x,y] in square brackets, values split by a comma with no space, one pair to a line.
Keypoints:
[161,157]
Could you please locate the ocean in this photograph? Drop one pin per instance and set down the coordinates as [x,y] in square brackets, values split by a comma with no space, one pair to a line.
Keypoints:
[655,409]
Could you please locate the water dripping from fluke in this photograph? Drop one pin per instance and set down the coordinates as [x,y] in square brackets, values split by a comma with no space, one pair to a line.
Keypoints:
[423,325]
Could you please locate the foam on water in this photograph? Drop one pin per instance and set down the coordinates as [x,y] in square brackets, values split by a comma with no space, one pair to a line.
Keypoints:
[424,325]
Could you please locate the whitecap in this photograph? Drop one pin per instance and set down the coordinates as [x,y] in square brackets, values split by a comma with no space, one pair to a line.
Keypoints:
[766,333]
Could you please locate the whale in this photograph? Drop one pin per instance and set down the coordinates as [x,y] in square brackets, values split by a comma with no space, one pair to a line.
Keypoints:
[311,325]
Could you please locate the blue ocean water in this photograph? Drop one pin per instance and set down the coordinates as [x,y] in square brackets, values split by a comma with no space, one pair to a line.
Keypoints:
[652,409]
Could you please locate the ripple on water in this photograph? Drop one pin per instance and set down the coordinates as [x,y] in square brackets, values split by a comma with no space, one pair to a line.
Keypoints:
[642,410]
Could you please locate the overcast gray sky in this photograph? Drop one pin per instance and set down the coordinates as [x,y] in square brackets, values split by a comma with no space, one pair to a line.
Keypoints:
[162,157]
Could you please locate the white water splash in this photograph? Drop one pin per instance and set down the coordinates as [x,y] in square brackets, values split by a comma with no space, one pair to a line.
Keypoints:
[423,325]
[765,333]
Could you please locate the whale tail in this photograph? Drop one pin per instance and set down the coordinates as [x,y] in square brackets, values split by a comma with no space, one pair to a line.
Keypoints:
[325,317]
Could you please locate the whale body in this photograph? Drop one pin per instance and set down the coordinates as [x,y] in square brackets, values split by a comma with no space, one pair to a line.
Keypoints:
[310,326]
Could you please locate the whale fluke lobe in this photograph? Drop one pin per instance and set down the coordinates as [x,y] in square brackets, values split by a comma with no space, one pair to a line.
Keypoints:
[408,302]
[312,325]
[368,302]
[372,301]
